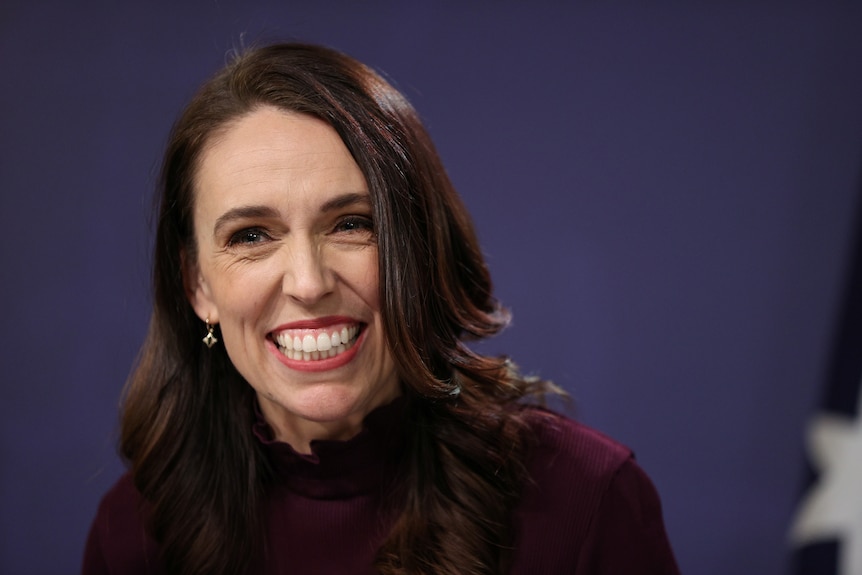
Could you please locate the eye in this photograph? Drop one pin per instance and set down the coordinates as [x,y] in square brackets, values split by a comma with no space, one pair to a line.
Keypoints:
[353,224]
[248,236]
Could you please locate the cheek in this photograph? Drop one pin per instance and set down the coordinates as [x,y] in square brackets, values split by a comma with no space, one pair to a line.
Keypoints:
[369,282]
[357,272]
[240,292]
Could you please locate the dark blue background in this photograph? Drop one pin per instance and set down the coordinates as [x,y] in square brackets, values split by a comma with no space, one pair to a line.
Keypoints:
[665,195]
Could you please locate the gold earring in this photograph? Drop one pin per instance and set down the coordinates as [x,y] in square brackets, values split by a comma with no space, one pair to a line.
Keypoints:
[209,338]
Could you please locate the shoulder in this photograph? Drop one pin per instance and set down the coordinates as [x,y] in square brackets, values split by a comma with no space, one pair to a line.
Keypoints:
[121,499]
[118,541]
[585,497]
[569,463]
[562,442]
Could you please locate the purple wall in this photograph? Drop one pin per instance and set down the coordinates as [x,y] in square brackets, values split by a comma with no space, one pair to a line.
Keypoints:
[665,195]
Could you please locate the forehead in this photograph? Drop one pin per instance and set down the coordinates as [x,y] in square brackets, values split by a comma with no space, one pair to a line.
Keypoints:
[276,151]
[267,130]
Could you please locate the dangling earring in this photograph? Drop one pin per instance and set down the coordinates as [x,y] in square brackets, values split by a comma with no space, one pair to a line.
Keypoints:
[209,338]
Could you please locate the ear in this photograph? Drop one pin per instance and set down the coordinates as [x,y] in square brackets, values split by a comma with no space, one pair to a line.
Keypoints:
[197,290]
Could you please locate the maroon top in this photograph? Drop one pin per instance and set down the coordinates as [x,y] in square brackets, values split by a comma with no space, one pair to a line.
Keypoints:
[588,508]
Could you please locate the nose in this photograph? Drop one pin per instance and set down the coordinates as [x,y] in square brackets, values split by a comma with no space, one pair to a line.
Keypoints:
[307,276]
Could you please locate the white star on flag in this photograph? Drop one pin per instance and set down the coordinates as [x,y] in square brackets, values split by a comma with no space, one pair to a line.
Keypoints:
[832,507]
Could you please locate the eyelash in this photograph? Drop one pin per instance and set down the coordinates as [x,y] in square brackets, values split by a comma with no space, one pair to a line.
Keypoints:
[244,235]
[348,225]
[354,224]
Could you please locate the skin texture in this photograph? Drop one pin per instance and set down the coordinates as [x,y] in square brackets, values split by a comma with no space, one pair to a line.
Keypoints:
[284,234]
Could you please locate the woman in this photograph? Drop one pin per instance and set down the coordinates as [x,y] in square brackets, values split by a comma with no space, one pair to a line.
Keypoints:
[333,420]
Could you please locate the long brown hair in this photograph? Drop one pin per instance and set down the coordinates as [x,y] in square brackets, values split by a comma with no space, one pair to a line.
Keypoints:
[188,413]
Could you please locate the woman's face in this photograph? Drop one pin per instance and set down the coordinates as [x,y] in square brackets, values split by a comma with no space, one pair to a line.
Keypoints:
[287,265]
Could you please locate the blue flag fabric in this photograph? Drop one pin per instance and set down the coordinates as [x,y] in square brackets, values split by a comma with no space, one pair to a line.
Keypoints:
[826,533]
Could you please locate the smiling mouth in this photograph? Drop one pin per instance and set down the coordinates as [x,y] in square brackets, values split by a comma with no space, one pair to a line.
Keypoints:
[317,344]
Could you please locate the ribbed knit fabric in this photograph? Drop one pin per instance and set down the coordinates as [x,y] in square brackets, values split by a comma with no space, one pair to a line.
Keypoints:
[588,508]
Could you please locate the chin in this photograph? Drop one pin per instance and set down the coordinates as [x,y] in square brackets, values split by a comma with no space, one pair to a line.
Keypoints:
[333,406]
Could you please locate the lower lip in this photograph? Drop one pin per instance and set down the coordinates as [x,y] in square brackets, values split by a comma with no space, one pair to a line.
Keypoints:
[321,364]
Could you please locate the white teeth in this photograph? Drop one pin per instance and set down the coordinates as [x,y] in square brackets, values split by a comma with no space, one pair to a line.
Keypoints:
[309,344]
[311,347]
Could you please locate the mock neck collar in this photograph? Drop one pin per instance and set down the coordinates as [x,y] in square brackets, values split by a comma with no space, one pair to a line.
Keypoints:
[339,469]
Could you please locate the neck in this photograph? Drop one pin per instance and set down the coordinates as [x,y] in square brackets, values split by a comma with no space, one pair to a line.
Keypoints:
[299,432]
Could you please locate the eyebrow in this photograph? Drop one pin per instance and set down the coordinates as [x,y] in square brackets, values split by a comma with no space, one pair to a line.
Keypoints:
[241,213]
[345,200]
[253,212]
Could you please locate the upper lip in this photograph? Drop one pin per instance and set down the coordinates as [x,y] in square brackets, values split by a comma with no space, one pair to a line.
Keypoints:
[317,323]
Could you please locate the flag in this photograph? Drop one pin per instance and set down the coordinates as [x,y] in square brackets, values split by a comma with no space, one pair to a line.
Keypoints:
[826,533]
